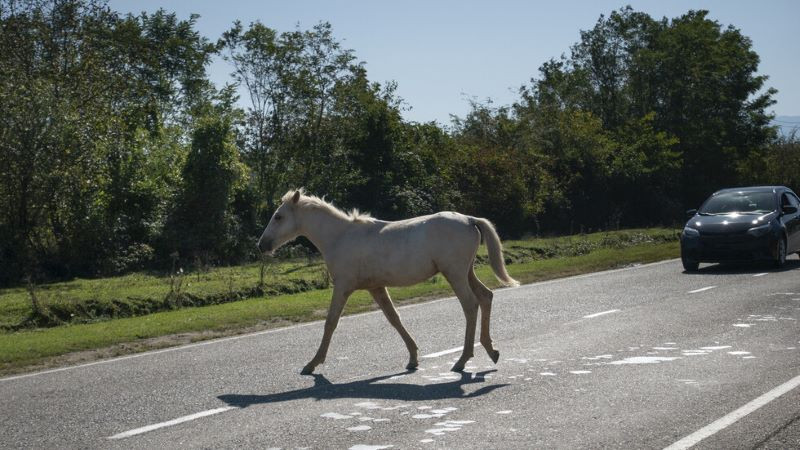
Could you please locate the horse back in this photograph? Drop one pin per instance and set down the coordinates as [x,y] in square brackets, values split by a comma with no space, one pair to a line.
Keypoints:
[407,251]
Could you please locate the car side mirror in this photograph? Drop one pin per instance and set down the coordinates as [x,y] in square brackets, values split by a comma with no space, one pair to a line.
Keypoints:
[789,209]
[690,213]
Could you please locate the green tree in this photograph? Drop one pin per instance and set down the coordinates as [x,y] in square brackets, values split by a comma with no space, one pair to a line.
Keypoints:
[78,85]
[203,225]
[680,105]
[291,79]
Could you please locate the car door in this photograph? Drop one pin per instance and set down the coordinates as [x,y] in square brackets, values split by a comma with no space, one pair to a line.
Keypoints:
[793,225]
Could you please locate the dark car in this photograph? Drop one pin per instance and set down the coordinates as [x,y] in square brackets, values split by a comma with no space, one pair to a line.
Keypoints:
[743,224]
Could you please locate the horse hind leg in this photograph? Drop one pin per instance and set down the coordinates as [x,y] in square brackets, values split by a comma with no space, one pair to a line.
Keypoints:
[484,296]
[469,303]
[381,297]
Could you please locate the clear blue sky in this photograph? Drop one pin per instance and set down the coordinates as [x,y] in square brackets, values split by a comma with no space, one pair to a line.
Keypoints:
[443,52]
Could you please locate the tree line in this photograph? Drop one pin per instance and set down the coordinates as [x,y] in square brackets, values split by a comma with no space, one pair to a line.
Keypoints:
[117,153]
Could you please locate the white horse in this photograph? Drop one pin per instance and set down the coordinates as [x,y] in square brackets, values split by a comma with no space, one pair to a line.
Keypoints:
[365,253]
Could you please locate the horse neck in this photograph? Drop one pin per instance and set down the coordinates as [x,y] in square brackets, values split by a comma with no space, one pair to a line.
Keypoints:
[322,228]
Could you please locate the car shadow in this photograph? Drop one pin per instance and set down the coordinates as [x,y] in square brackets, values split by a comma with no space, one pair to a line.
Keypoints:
[370,389]
[744,268]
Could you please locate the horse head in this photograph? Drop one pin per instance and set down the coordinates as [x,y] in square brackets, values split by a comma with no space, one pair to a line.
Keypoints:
[283,226]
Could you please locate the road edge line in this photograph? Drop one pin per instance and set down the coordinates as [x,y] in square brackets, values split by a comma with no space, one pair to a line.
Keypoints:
[731,418]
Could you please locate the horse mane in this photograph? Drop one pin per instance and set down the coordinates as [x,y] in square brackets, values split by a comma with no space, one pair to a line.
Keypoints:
[314,202]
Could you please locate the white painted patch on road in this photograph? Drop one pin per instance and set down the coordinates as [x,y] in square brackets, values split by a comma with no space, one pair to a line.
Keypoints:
[592,316]
[368,405]
[760,274]
[370,447]
[172,422]
[547,374]
[446,352]
[644,360]
[715,347]
[336,416]
[360,428]
[426,416]
[448,426]
[517,360]
[580,372]
[743,325]
[595,358]
[507,411]
[731,418]
[434,413]
[736,353]
[701,289]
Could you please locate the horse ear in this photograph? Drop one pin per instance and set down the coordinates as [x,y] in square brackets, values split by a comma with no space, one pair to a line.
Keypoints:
[296,196]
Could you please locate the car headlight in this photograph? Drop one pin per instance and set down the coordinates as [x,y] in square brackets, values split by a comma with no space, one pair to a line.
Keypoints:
[759,231]
[690,232]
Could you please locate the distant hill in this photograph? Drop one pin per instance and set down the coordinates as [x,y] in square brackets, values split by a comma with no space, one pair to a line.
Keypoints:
[787,124]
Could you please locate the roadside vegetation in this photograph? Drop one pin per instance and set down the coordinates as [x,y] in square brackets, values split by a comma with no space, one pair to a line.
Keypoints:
[119,155]
[130,313]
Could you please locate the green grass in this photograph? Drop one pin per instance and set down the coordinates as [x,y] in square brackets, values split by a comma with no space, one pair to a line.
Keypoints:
[84,301]
[530,260]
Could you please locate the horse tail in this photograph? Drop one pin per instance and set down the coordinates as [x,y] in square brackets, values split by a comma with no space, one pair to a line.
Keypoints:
[495,250]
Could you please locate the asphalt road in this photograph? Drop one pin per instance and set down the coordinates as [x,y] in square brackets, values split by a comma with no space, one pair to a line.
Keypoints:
[643,357]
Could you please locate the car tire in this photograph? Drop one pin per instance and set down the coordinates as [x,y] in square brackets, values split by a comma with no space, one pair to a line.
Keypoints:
[690,265]
[780,253]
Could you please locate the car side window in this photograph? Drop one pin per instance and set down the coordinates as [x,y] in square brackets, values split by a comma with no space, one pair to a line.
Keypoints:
[785,200]
[794,201]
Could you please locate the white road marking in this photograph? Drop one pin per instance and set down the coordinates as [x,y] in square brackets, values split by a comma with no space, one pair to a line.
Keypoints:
[446,352]
[701,289]
[644,360]
[172,422]
[760,274]
[591,316]
[732,417]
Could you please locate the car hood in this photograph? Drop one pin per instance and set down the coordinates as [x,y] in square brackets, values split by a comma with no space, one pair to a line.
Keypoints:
[728,223]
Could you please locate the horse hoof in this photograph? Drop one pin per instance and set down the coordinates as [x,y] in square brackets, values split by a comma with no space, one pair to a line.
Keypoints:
[458,367]
[412,365]
[495,355]
[307,370]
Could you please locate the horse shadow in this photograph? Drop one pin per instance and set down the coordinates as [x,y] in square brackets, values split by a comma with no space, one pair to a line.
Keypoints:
[370,389]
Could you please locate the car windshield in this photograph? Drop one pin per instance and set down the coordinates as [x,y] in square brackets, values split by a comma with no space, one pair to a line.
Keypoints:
[740,202]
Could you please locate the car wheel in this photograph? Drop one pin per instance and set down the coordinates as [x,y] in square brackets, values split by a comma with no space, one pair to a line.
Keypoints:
[780,253]
[690,265]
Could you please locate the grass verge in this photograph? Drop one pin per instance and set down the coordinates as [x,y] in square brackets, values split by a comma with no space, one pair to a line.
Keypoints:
[75,343]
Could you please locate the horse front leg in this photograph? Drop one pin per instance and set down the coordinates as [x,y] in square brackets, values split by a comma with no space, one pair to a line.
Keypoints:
[381,297]
[338,301]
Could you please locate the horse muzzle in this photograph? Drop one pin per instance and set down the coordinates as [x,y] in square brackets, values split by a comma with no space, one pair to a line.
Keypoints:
[265,246]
